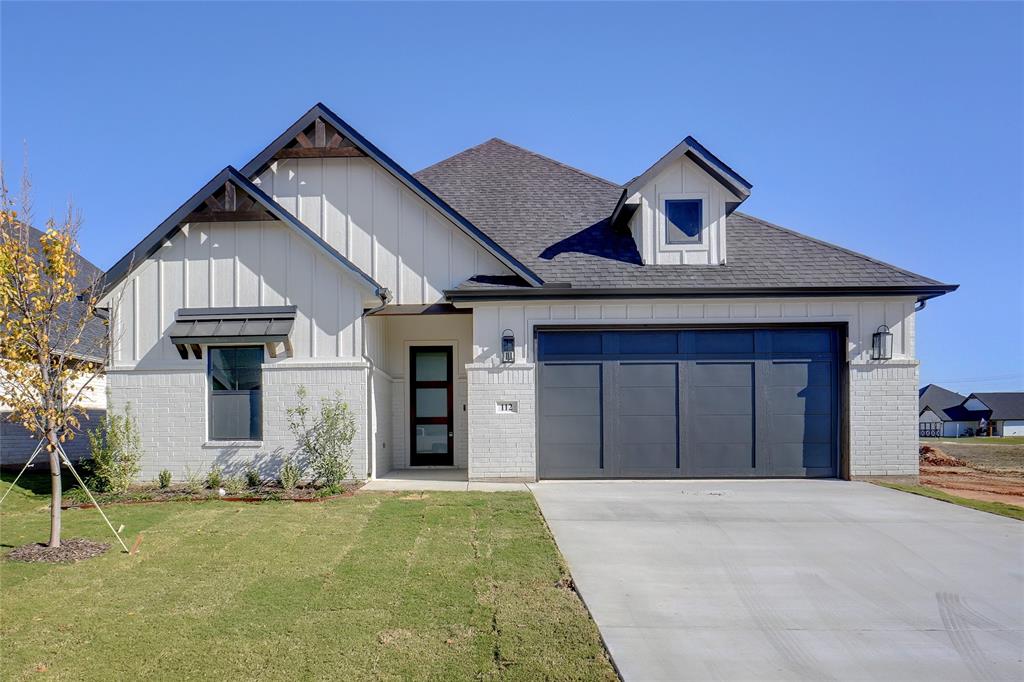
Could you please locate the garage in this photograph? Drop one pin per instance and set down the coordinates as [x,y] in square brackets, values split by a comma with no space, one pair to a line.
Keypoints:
[658,403]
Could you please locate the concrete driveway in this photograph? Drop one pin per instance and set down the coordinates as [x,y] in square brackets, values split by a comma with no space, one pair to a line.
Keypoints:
[812,580]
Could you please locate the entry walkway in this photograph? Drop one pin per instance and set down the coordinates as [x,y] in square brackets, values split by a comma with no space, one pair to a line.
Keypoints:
[437,479]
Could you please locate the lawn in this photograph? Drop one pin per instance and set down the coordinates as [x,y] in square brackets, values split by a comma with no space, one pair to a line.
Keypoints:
[374,586]
[1009,510]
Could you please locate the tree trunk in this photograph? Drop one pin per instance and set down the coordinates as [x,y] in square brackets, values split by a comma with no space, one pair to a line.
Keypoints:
[54,490]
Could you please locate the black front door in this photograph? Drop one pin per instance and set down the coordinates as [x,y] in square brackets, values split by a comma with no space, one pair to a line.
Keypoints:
[431,397]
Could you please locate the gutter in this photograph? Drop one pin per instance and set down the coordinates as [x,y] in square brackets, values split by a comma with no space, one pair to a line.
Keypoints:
[923,292]
[371,450]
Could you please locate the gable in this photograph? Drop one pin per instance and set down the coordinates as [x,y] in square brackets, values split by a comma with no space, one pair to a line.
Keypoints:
[379,224]
[345,141]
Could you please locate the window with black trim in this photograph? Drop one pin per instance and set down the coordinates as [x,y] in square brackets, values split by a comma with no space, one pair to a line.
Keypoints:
[236,392]
[683,221]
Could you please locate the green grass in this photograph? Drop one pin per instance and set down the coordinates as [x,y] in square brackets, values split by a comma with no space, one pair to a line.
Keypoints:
[999,508]
[375,586]
[994,440]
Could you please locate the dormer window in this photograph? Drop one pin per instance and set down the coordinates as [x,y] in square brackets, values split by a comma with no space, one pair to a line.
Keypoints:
[683,221]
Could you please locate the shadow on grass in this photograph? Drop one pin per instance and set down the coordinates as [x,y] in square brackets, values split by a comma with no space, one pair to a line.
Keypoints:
[37,480]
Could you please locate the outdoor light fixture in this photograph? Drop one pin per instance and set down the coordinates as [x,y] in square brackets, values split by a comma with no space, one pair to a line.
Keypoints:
[881,344]
[508,346]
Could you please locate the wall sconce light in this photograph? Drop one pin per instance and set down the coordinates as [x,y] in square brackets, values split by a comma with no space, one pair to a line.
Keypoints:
[508,346]
[881,344]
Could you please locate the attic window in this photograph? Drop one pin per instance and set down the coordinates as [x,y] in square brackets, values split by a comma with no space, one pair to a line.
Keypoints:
[683,220]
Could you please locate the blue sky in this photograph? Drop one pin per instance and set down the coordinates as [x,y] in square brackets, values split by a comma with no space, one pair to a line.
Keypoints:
[893,129]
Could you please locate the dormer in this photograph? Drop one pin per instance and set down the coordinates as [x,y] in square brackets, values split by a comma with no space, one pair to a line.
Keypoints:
[679,207]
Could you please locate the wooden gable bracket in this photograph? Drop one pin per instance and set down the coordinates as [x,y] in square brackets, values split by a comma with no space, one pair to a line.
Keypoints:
[319,140]
[227,204]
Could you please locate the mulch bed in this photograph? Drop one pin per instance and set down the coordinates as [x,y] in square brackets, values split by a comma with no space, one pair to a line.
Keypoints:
[269,493]
[70,551]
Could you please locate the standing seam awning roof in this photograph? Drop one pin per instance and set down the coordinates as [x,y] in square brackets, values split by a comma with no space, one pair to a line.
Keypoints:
[266,324]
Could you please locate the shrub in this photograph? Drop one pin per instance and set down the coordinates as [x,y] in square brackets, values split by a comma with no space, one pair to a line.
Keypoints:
[193,481]
[290,474]
[252,476]
[164,479]
[324,439]
[215,478]
[116,452]
[233,485]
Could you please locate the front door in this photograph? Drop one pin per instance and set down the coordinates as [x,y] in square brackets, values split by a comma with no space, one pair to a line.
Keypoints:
[431,397]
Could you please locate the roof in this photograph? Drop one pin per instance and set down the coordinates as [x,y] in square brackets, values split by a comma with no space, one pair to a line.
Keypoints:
[153,241]
[711,164]
[944,403]
[1003,405]
[252,324]
[555,219]
[319,110]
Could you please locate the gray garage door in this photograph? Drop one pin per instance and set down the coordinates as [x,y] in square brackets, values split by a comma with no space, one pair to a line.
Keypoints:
[692,403]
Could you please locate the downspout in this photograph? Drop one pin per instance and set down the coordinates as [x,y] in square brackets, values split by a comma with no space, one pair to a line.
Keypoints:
[371,451]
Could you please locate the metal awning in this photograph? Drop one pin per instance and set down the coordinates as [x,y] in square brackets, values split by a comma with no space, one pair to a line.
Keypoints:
[269,325]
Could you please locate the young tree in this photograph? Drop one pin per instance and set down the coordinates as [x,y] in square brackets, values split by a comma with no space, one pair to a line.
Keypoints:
[50,353]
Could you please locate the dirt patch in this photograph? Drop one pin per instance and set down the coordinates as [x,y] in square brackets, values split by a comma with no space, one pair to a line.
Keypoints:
[70,551]
[956,476]
[984,456]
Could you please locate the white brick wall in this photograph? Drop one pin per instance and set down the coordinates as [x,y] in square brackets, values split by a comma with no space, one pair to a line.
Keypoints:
[171,411]
[502,446]
[883,419]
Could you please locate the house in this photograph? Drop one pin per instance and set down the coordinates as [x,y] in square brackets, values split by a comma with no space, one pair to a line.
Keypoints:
[1003,412]
[941,413]
[504,313]
[16,443]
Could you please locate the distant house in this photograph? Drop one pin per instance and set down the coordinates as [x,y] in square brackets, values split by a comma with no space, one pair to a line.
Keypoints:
[941,413]
[1003,411]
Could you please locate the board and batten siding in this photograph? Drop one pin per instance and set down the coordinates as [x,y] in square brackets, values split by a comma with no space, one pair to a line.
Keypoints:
[380,225]
[862,316]
[682,179]
[238,264]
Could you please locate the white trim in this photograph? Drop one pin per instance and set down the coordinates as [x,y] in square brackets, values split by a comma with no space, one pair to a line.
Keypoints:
[705,237]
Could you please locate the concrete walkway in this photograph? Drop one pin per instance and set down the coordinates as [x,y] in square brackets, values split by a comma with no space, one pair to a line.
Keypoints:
[811,580]
[437,479]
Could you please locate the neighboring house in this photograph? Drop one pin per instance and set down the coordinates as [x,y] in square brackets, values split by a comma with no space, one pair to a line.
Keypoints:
[17,443]
[1003,411]
[941,413]
[508,314]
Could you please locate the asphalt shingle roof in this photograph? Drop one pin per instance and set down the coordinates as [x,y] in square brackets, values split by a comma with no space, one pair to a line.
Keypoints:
[554,219]
[1003,405]
[944,403]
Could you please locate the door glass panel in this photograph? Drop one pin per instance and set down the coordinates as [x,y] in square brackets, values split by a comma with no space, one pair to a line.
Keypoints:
[432,438]
[431,366]
[431,402]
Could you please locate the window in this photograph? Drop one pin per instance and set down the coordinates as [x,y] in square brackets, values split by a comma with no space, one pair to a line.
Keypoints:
[683,221]
[236,383]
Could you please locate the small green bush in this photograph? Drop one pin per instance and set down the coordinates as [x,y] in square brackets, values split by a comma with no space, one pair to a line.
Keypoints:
[290,474]
[252,476]
[116,452]
[193,481]
[325,439]
[214,479]
[233,485]
[164,479]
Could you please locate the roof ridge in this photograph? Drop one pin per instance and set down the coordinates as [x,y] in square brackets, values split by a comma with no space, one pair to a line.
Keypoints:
[837,247]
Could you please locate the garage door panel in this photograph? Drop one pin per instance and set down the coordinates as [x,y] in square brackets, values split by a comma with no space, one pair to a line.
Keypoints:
[572,401]
[636,400]
[572,376]
[647,375]
[637,430]
[559,430]
[792,373]
[719,429]
[652,459]
[802,341]
[794,456]
[723,342]
[811,428]
[795,400]
[723,458]
[719,400]
[721,374]
[573,461]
